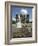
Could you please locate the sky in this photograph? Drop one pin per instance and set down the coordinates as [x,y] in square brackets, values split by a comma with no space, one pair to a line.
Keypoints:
[17,9]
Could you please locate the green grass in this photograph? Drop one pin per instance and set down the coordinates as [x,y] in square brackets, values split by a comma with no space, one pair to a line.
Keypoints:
[25,31]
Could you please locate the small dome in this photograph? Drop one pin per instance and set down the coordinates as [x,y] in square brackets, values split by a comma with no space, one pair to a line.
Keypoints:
[23,11]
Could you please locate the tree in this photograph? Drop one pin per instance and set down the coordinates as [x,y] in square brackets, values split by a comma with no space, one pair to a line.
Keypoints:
[13,22]
[27,20]
[22,18]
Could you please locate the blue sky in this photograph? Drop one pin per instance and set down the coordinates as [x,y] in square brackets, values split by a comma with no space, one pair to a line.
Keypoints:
[16,9]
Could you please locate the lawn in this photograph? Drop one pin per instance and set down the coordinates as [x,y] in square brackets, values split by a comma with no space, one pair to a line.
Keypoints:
[25,31]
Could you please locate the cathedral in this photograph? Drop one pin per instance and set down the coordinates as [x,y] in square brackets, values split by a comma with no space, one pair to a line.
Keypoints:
[22,18]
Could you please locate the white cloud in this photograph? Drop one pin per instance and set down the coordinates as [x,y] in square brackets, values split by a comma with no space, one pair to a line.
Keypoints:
[23,11]
[30,20]
[13,19]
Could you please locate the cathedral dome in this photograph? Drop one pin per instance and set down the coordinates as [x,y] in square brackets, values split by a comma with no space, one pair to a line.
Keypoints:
[24,11]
